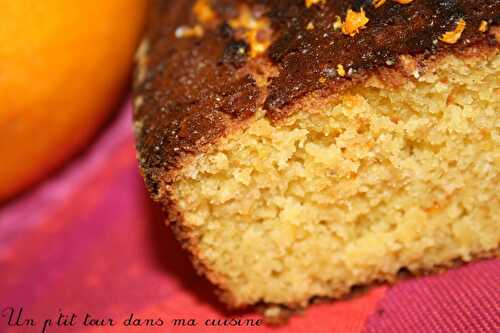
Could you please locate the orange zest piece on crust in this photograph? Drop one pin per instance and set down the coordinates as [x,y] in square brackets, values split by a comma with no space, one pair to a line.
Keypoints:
[340,70]
[378,3]
[338,23]
[257,46]
[451,37]
[203,11]
[354,22]
[309,3]
[483,26]
[403,2]
[252,28]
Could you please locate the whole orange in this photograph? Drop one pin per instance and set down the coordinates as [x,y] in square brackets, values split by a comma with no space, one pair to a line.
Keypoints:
[63,66]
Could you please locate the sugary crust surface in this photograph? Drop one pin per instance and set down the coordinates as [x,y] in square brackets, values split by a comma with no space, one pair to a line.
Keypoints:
[193,89]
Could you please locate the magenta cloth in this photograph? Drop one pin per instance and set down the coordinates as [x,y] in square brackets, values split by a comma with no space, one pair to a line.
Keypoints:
[462,300]
[88,240]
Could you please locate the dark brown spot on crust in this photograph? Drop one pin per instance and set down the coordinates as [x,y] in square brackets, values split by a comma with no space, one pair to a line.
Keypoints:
[235,53]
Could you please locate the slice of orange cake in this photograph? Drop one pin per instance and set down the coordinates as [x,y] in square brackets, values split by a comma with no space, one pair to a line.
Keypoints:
[301,148]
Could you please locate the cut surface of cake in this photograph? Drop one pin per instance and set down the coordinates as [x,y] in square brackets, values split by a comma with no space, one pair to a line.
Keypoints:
[301,148]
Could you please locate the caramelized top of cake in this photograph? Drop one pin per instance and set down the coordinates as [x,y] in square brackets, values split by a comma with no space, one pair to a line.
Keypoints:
[206,66]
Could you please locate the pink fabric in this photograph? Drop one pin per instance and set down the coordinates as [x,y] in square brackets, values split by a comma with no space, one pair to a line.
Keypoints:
[89,240]
[461,300]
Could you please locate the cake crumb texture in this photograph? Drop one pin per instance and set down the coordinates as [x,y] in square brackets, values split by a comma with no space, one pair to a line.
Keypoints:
[379,179]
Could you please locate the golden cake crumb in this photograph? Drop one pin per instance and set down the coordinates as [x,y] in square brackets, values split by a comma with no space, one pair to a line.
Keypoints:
[451,37]
[354,22]
[310,26]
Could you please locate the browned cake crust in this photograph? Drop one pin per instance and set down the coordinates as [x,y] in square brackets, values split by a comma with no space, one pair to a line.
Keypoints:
[203,71]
